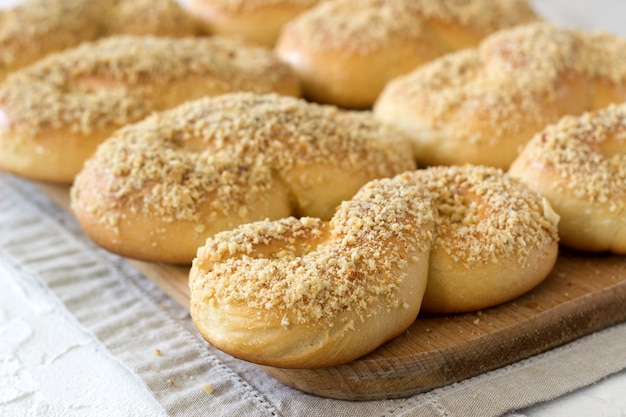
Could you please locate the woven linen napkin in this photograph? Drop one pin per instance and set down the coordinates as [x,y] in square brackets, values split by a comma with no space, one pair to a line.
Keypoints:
[133,319]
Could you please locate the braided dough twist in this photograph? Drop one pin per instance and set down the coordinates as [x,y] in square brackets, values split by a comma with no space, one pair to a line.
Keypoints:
[36,28]
[579,164]
[308,293]
[345,51]
[54,113]
[481,105]
[157,189]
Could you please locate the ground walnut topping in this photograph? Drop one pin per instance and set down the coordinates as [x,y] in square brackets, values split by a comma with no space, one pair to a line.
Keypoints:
[509,80]
[308,270]
[119,80]
[222,150]
[584,153]
[71,22]
[161,178]
[372,22]
[487,215]
[139,17]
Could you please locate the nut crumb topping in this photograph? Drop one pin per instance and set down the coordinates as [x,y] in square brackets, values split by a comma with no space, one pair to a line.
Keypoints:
[33,28]
[119,80]
[364,25]
[485,215]
[214,155]
[586,153]
[510,81]
[317,269]
[36,20]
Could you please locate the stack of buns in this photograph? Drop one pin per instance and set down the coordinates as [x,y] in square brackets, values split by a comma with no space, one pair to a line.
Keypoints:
[328,168]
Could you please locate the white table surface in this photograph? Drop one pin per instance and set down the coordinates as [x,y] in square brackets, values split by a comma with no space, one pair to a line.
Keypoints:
[44,349]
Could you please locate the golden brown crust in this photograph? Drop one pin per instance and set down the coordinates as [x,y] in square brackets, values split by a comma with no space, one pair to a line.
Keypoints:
[495,238]
[258,21]
[480,105]
[579,164]
[36,28]
[346,51]
[218,162]
[307,293]
[56,111]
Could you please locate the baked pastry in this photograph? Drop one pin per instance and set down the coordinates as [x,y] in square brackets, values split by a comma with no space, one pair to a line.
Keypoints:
[157,189]
[54,113]
[345,51]
[579,164]
[35,28]
[495,238]
[258,21]
[145,17]
[305,293]
[481,105]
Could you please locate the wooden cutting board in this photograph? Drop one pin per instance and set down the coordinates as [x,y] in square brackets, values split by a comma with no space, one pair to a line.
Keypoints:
[584,293]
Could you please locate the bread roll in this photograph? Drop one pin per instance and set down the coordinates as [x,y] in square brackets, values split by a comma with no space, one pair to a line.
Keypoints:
[54,113]
[579,164]
[304,293]
[345,51]
[35,28]
[258,21]
[495,238]
[480,105]
[157,189]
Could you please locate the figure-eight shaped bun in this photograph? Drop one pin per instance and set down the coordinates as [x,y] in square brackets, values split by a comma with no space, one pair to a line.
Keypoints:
[308,293]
